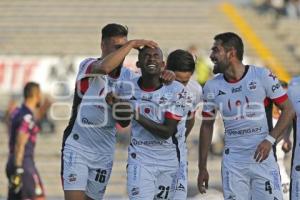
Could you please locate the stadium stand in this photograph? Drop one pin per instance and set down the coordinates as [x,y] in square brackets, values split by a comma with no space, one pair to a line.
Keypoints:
[72,28]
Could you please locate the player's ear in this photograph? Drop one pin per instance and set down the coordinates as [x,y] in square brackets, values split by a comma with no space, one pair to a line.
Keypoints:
[137,64]
[232,53]
[163,67]
[102,45]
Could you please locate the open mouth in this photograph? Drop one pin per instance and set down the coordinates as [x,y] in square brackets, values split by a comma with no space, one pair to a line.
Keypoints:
[152,66]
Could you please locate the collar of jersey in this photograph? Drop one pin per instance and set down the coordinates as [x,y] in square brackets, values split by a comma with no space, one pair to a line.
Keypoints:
[235,81]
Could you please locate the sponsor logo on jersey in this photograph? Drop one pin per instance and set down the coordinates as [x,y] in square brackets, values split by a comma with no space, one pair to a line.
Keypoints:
[180,187]
[221,93]
[275,87]
[147,110]
[273,76]
[146,98]
[135,191]
[235,90]
[72,178]
[75,136]
[231,197]
[238,103]
[276,180]
[85,120]
[147,142]
[211,95]
[248,131]
[103,190]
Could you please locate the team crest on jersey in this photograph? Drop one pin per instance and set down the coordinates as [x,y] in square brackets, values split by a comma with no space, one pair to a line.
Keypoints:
[29,119]
[252,85]
[163,100]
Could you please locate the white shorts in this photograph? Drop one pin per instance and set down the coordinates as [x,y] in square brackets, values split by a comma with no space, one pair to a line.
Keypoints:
[80,173]
[244,181]
[146,182]
[295,178]
[182,181]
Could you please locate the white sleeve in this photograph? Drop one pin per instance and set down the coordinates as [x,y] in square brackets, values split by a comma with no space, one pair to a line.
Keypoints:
[209,105]
[273,87]
[85,68]
[177,107]
[197,98]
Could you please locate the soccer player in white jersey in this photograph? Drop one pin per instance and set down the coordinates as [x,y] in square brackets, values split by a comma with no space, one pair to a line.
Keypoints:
[89,140]
[153,154]
[183,65]
[249,168]
[294,96]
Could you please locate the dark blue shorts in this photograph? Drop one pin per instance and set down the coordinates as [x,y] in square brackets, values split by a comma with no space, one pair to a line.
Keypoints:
[32,184]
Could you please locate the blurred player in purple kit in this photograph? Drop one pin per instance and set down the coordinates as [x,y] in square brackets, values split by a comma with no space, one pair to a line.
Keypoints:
[24,180]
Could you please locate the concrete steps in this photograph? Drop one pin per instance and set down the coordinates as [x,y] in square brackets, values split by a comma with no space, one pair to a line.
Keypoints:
[273,38]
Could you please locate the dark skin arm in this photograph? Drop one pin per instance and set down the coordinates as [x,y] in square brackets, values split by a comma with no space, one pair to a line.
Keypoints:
[205,138]
[164,131]
[122,112]
[284,121]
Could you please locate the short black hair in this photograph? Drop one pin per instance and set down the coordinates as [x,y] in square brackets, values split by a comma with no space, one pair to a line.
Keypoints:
[142,50]
[181,60]
[28,89]
[229,40]
[283,83]
[112,30]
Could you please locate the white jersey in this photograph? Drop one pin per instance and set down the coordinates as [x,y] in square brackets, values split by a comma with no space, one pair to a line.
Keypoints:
[165,102]
[242,106]
[94,128]
[195,91]
[294,96]
[194,97]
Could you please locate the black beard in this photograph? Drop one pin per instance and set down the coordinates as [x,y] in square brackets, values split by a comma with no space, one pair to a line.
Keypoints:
[216,70]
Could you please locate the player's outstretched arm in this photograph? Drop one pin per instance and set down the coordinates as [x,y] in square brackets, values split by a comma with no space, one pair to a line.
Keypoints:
[205,138]
[164,131]
[113,60]
[284,121]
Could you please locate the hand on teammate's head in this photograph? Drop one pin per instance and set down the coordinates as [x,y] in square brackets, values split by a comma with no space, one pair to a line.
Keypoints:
[167,76]
[139,44]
